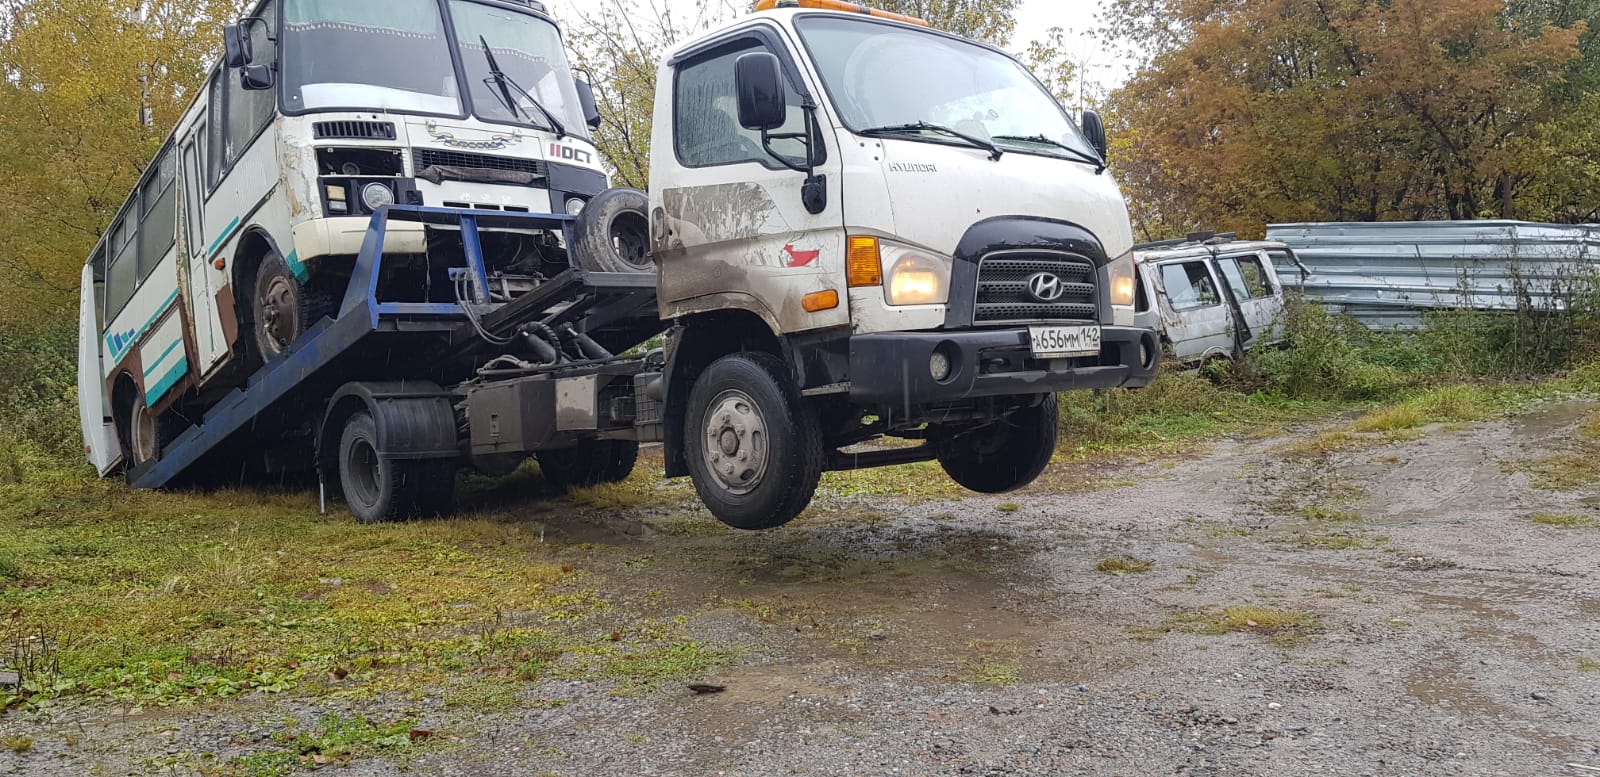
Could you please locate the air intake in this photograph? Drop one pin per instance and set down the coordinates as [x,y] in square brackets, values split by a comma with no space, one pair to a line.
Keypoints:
[353,130]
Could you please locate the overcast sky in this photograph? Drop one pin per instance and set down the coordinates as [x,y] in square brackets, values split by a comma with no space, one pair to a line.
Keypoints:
[1034,19]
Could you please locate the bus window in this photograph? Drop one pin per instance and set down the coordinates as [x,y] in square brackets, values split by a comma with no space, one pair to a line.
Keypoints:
[214,132]
[124,273]
[158,214]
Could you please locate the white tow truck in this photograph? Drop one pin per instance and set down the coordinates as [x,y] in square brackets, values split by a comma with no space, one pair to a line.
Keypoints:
[858,227]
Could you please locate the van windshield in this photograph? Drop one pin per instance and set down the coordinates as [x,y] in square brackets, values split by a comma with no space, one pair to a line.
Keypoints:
[884,75]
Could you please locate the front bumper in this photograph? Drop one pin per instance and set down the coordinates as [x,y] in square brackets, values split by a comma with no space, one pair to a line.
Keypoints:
[892,367]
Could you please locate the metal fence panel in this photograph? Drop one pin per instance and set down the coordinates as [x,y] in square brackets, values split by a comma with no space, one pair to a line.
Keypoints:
[1388,274]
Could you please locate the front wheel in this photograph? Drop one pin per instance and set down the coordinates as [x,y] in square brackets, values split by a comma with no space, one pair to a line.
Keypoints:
[1006,455]
[754,447]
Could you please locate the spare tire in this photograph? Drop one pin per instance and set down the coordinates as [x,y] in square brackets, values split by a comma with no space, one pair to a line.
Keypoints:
[613,233]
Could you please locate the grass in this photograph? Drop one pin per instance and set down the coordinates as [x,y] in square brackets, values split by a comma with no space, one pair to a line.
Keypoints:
[1008,507]
[1564,521]
[16,743]
[1285,628]
[1560,472]
[1588,665]
[1123,565]
[1325,514]
[1331,541]
[336,740]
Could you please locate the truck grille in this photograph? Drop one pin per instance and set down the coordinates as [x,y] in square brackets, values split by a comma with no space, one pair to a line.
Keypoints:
[1004,295]
[353,130]
[429,157]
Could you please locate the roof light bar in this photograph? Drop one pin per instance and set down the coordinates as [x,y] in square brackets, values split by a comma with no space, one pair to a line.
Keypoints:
[838,5]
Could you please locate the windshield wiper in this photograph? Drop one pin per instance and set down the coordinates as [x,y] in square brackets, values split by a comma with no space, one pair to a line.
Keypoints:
[1099,164]
[505,84]
[922,126]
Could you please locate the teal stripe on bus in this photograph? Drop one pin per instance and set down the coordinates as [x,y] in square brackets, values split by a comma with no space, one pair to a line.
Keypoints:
[164,354]
[227,232]
[119,344]
[154,394]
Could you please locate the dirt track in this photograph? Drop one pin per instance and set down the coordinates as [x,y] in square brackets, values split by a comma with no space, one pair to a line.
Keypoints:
[1445,632]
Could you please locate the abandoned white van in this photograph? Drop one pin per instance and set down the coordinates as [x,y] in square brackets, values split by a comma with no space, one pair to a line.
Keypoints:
[1211,296]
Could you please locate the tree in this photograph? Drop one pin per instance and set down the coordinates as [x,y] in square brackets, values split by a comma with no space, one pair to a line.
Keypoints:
[1277,110]
[89,90]
[991,21]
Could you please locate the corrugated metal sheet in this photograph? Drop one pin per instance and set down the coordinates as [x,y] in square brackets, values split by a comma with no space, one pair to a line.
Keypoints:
[1387,274]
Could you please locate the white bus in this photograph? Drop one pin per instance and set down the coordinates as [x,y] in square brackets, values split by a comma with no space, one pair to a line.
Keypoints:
[243,231]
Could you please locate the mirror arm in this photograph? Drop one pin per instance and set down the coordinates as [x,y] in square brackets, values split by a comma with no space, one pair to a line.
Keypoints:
[814,193]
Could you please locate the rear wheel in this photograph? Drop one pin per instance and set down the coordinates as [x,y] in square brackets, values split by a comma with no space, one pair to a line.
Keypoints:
[380,489]
[1006,455]
[145,434]
[613,233]
[754,447]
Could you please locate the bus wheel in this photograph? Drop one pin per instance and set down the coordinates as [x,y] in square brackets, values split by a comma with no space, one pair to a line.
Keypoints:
[276,307]
[1006,455]
[613,233]
[147,434]
[754,447]
[380,489]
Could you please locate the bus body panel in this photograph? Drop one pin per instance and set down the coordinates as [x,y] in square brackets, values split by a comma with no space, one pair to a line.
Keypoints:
[94,409]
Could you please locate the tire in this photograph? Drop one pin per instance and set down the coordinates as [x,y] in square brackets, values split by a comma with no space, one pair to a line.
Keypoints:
[589,463]
[613,233]
[1007,455]
[282,309]
[748,403]
[380,490]
[147,435]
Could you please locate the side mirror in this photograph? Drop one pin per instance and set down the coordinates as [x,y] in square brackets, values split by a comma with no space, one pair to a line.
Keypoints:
[759,84]
[235,45]
[256,77]
[1095,129]
[591,111]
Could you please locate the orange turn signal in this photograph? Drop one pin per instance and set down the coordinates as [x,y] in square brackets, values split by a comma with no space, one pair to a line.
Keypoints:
[219,263]
[820,300]
[838,5]
[865,269]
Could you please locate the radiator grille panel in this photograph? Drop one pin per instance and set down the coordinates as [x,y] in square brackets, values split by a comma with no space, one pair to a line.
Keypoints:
[1004,296]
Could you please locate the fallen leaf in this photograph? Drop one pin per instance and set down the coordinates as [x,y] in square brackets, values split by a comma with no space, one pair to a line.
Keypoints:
[319,759]
[567,570]
[616,636]
[339,673]
[703,688]
[420,733]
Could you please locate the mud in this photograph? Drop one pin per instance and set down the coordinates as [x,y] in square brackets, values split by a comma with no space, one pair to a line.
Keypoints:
[1452,636]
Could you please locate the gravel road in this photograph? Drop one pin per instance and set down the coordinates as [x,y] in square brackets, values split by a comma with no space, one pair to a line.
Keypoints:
[1382,609]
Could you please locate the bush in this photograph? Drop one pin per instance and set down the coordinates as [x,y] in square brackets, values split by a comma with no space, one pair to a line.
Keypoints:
[39,391]
[1327,358]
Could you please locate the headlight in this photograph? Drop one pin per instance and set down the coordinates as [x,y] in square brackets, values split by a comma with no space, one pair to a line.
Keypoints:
[376,195]
[914,277]
[575,206]
[1121,276]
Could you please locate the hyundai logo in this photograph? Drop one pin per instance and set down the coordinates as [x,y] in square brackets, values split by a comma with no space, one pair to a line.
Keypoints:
[1045,287]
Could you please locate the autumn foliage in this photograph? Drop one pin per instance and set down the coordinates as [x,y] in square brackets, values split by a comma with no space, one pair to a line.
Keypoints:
[1259,111]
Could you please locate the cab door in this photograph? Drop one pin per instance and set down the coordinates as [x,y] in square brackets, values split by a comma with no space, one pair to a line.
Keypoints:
[1198,323]
[211,344]
[1255,287]
[729,222]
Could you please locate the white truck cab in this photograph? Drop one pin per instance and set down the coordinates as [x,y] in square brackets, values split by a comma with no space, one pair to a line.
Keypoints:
[909,230]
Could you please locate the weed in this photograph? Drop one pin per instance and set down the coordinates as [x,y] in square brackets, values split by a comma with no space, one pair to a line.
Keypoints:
[654,665]
[1248,618]
[1561,472]
[991,673]
[1390,419]
[16,743]
[1330,541]
[1588,665]
[1324,514]
[1123,565]
[10,570]
[1564,521]
[1008,507]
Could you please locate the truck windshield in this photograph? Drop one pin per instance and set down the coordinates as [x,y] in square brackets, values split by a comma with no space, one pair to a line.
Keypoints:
[390,56]
[394,55]
[886,76]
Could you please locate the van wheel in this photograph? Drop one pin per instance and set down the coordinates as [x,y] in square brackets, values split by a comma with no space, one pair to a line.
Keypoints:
[589,463]
[1006,455]
[754,447]
[613,233]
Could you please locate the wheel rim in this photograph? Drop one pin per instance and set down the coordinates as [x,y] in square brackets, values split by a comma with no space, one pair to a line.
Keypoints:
[630,236]
[736,452]
[279,317]
[142,429]
[366,477]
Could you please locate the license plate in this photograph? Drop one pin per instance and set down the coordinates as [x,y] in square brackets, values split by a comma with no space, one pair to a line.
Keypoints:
[1056,342]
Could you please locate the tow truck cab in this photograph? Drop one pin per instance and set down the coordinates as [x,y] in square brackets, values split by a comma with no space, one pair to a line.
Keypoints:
[892,231]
